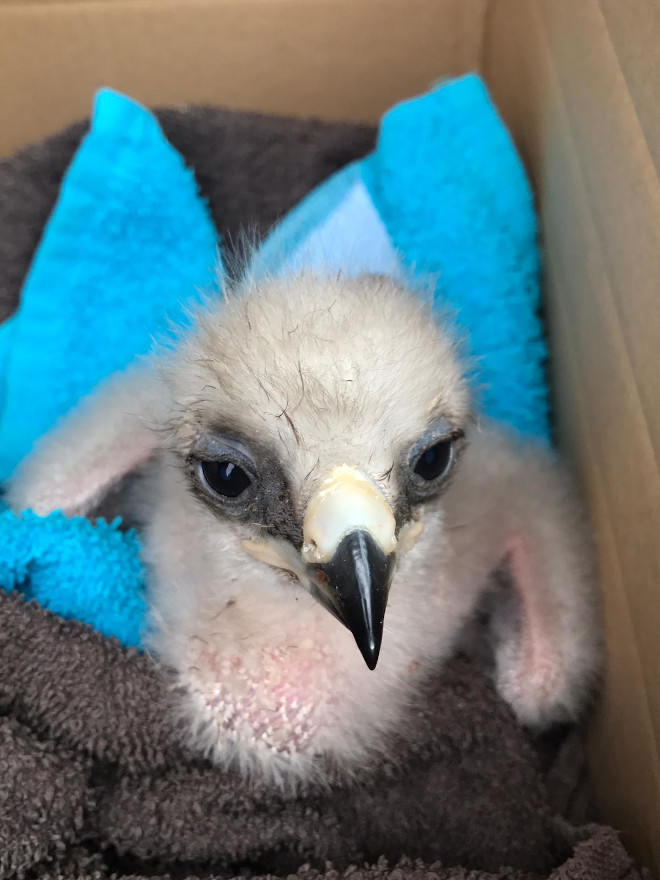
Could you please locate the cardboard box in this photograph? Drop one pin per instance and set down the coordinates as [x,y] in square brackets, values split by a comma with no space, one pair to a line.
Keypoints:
[578,82]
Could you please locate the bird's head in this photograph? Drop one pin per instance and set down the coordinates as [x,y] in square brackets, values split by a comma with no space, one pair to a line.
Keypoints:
[311,424]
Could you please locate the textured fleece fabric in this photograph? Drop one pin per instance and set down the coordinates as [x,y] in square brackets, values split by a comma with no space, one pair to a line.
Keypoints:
[95,780]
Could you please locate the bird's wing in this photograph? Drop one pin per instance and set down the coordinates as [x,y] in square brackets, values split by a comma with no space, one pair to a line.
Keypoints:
[106,437]
[520,508]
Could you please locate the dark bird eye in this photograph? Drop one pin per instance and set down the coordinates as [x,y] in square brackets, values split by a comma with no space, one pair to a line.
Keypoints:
[225,478]
[435,461]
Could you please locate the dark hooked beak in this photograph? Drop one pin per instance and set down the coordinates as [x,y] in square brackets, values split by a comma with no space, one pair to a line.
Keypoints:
[353,585]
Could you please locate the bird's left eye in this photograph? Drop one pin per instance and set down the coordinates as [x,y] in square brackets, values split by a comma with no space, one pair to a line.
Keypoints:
[435,461]
[225,478]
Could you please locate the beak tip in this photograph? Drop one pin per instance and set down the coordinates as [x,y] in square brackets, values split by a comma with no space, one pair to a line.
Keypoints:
[370,653]
[355,585]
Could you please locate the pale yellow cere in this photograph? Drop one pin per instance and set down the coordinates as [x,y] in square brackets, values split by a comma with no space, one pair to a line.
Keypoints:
[347,500]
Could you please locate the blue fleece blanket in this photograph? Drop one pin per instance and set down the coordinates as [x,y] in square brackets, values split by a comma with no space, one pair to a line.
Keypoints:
[443,203]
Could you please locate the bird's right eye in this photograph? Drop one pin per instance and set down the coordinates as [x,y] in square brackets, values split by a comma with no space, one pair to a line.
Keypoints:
[225,478]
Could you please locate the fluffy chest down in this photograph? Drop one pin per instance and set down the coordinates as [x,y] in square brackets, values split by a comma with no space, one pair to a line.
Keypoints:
[271,681]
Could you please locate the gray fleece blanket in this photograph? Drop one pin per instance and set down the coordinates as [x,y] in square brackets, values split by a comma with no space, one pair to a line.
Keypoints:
[95,778]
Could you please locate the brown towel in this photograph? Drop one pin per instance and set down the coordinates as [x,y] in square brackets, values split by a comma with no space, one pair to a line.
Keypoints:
[91,768]
[95,781]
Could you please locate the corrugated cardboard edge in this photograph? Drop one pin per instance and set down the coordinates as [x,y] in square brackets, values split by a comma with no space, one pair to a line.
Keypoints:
[342,59]
[571,80]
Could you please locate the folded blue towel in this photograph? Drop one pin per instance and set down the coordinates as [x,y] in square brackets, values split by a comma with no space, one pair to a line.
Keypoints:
[128,245]
[443,202]
[81,571]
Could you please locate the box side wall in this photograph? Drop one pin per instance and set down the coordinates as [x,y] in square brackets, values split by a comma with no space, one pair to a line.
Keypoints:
[573,80]
[340,59]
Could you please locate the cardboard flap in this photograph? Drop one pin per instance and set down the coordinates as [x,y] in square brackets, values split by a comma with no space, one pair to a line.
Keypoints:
[340,59]
[574,81]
